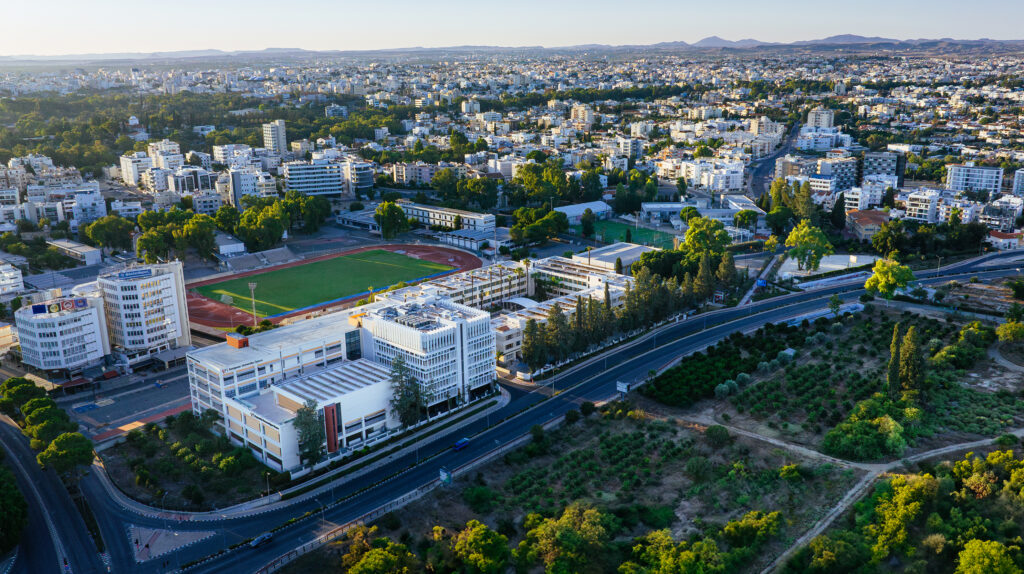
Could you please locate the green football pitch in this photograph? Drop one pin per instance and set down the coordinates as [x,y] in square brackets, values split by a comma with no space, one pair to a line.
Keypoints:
[302,286]
[612,231]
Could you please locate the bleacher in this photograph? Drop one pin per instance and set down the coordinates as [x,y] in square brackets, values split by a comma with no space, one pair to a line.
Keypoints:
[278,256]
[243,262]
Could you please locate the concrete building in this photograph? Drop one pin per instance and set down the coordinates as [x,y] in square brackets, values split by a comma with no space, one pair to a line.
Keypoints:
[574,213]
[820,117]
[274,138]
[884,163]
[79,252]
[316,177]
[843,171]
[67,334]
[11,281]
[189,180]
[133,165]
[1018,182]
[865,223]
[145,310]
[923,205]
[430,215]
[969,177]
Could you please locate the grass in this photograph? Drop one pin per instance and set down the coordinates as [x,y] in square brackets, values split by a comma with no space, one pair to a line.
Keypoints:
[297,287]
[612,231]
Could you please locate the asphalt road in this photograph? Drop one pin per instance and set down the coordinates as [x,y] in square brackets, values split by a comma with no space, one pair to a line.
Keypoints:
[594,381]
[761,172]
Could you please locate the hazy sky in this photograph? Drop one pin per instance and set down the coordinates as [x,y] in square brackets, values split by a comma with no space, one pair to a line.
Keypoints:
[92,26]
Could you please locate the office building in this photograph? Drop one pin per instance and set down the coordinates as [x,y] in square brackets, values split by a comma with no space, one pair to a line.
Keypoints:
[133,165]
[820,117]
[843,170]
[885,163]
[316,177]
[145,310]
[430,215]
[67,334]
[10,280]
[274,138]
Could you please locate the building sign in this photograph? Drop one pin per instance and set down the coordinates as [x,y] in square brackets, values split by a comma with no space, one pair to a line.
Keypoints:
[60,305]
[37,309]
[135,274]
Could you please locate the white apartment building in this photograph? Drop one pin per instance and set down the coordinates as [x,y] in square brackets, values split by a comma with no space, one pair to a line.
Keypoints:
[1018,182]
[206,202]
[820,117]
[66,334]
[145,310]
[923,205]
[864,197]
[358,176]
[225,154]
[190,179]
[133,165]
[822,139]
[249,181]
[445,217]
[128,209]
[316,177]
[274,138]
[969,177]
[10,280]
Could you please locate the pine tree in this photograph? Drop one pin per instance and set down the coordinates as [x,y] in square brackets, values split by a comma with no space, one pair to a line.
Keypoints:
[534,350]
[618,264]
[607,297]
[839,212]
[727,270]
[578,334]
[558,332]
[911,364]
[805,207]
[687,288]
[893,377]
[704,284]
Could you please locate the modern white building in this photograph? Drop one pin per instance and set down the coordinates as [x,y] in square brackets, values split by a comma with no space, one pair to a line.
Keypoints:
[145,310]
[133,165]
[66,334]
[1018,182]
[446,217]
[274,138]
[923,205]
[10,280]
[969,177]
[316,177]
[820,117]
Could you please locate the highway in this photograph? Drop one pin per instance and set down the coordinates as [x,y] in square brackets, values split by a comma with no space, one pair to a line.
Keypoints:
[593,380]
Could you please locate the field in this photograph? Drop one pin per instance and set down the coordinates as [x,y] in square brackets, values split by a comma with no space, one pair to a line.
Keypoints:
[612,231]
[641,474]
[284,290]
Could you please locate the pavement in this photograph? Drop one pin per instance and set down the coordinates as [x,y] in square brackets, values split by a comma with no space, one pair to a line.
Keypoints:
[593,380]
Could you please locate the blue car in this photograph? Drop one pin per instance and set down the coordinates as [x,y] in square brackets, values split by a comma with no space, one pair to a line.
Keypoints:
[461,444]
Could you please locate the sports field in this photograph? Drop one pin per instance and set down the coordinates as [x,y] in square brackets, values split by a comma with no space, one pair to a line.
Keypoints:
[283,290]
[612,231]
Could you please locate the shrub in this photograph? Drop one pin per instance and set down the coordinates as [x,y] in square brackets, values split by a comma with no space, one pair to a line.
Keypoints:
[743,379]
[587,408]
[479,498]
[717,436]
[572,415]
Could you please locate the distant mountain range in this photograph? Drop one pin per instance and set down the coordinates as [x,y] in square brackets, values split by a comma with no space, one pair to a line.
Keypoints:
[710,43]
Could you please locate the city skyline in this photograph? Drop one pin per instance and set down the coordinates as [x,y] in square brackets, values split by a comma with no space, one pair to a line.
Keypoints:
[320,25]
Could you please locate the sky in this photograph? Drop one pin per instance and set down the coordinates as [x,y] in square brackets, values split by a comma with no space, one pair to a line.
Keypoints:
[51,27]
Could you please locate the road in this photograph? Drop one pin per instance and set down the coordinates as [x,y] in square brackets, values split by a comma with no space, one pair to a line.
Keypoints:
[593,380]
[762,169]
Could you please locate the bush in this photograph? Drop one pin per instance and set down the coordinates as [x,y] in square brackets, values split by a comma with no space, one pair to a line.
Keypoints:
[717,436]
[587,408]
[479,498]
[572,415]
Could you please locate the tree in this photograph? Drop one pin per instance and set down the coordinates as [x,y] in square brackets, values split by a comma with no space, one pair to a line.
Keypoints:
[309,426]
[745,219]
[199,232]
[726,273]
[986,557]
[559,336]
[1015,312]
[110,232]
[629,235]
[778,218]
[835,304]
[618,265]
[534,349]
[587,222]
[227,218]
[391,219]
[391,558]
[66,454]
[717,436]
[809,244]
[152,246]
[771,244]
[911,362]
[407,398]
[890,237]
[888,276]
[569,543]
[1010,332]
[893,374]
[838,216]
[681,187]
[687,213]
[706,236]
[19,391]
[481,549]
[704,284]
[13,512]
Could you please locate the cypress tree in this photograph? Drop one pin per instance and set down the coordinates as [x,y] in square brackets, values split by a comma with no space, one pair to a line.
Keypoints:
[893,376]
[911,367]
[727,269]
[704,284]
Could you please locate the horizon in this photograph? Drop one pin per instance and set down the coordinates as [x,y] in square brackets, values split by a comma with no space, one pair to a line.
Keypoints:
[326,26]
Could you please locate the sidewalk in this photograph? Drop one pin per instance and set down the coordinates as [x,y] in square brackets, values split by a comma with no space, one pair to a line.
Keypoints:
[762,275]
[274,502]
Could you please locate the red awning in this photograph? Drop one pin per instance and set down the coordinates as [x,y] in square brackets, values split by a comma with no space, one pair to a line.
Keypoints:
[110,374]
[76,382]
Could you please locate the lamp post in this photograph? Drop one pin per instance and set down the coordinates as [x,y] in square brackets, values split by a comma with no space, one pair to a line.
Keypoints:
[252,297]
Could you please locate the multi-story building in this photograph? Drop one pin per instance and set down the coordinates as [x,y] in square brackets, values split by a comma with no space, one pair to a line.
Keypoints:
[145,310]
[274,138]
[884,163]
[418,173]
[225,154]
[242,182]
[820,117]
[822,139]
[868,195]
[189,180]
[791,165]
[843,170]
[336,111]
[1018,182]
[969,177]
[133,165]
[206,202]
[358,176]
[66,334]
[10,280]
[922,205]
[316,177]
[446,217]
[630,148]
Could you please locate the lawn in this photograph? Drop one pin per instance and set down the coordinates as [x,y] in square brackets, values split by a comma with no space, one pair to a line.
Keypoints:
[304,285]
[612,231]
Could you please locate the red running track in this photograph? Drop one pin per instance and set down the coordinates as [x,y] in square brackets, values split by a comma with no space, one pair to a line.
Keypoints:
[211,313]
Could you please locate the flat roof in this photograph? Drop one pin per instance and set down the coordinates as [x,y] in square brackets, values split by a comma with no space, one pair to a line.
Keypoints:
[580,208]
[609,253]
[329,385]
[71,245]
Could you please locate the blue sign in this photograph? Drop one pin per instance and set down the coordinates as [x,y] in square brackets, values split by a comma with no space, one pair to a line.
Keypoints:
[762,283]
[37,309]
[81,304]
[135,274]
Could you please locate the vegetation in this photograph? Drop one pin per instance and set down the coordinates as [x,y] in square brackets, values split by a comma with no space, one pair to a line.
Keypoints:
[13,510]
[957,516]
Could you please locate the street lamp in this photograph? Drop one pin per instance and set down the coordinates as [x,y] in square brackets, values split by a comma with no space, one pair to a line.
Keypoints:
[252,297]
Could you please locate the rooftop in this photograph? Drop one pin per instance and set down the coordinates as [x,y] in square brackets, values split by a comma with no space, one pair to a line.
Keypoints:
[329,385]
